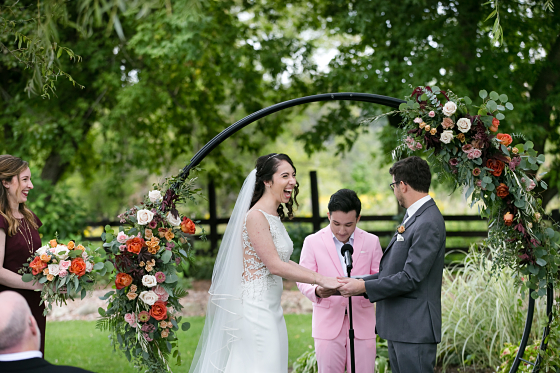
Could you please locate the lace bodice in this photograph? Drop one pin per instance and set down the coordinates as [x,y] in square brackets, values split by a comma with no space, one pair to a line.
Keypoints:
[256,277]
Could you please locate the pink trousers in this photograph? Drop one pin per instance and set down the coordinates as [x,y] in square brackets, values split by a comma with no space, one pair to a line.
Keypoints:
[333,355]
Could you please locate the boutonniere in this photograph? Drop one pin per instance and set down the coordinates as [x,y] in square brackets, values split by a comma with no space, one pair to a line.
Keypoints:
[401,229]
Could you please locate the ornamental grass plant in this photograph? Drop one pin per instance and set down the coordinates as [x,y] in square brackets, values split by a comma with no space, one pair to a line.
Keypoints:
[481,311]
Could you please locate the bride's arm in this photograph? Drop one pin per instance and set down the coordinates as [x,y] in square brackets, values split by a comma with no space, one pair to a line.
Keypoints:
[261,240]
[9,278]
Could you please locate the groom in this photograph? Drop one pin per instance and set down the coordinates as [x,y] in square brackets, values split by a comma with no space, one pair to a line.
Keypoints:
[321,253]
[407,288]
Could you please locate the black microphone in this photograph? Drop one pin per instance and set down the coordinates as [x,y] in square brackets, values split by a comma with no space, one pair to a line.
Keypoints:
[347,250]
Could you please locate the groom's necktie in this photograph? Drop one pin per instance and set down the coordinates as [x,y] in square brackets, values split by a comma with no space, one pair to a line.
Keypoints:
[405,217]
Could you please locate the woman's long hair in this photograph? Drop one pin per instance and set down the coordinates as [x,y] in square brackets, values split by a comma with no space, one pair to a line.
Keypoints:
[11,166]
[266,166]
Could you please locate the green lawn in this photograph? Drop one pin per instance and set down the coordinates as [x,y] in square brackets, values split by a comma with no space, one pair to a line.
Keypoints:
[78,343]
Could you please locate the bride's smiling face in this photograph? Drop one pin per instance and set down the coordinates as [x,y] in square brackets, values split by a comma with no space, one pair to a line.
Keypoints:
[283,183]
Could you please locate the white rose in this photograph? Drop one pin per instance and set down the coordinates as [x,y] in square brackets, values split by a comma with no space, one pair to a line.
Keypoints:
[89,266]
[144,216]
[446,136]
[61,252]
[450,108]
[54,269]
[155,196]
[464,125]
[149,281]
[42,250]
[174,221]
[148,297]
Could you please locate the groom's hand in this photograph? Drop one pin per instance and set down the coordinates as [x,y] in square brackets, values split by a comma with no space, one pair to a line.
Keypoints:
[351,286]
[321,292]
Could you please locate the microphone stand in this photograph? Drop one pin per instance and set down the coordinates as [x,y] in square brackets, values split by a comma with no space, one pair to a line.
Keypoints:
[351,331]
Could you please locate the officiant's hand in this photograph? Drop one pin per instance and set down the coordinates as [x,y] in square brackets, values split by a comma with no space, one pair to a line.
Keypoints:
[351,286]
[321,292]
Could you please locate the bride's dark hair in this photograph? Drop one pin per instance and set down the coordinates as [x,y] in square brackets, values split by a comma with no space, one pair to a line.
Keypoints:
[266,166]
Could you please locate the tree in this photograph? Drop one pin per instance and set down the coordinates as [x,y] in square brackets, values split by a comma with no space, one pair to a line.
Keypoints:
[386,46]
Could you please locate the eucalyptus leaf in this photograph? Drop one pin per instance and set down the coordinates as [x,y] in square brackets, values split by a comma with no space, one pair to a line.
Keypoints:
[166,256]
[494,95]
[544,185]
[491,105]
[467,100]
[99,265]
[509,106]
[185,326]
[28,277]
[483,94]
[109,266]
[549,232]
[503,98]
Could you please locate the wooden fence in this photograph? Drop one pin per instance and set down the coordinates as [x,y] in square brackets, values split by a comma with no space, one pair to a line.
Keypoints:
[318,221]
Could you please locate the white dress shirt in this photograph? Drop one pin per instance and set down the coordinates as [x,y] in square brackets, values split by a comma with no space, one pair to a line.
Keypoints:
[17,356]
[338,245]
[415,206]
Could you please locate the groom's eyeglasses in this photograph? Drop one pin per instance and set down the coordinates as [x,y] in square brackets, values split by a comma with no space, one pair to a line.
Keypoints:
[392,185]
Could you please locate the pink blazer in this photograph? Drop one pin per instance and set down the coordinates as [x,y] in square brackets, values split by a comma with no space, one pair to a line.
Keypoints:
[319,255]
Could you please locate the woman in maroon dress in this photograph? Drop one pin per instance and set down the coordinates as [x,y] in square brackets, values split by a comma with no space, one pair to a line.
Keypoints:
[19,236]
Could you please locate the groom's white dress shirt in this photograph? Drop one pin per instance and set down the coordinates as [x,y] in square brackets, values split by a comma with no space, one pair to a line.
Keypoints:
[411,210]
[338,246]
[17,356]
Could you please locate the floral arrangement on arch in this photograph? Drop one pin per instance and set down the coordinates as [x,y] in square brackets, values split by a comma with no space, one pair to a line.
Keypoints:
[469,146]
[143,310]
[66,271]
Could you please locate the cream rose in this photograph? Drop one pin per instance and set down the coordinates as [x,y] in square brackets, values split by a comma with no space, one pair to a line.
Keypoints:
[449,108]
[144,216]
[148,297]
[54,269]
[61,252]
[89,267]
[464,125]
[155,196]
[446,136]
[174,221]
[42,250]
[149,281]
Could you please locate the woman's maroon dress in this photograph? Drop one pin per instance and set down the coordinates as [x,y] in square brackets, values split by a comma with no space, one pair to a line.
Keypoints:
[15,255]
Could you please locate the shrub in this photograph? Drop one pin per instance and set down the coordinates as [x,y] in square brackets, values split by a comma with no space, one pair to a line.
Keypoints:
[481,313]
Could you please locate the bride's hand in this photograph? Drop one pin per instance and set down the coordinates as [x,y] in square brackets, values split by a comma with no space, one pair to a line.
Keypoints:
[330,283]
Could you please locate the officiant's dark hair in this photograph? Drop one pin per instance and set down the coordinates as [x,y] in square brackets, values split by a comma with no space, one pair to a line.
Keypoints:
[345,200]
[414,171]
[266,166]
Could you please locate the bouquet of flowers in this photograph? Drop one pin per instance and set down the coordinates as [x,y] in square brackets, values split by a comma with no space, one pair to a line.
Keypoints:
[496,169]
[143,310]
[66,271]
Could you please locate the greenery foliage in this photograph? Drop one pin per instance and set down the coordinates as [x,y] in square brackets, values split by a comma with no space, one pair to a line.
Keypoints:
[531,354]
[481,312]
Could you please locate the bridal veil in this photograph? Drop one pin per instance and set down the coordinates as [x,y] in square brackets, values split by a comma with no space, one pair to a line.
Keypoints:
[224,313]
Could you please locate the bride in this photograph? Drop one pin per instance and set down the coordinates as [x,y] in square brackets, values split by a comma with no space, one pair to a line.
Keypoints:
[245,329]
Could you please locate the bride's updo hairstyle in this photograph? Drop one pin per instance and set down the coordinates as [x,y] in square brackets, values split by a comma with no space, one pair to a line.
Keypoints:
[266,166]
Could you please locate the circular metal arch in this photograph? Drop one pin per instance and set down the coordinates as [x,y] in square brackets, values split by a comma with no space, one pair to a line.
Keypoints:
[374,99]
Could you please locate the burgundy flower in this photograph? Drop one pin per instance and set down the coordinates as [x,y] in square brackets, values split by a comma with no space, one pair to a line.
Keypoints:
[453,162]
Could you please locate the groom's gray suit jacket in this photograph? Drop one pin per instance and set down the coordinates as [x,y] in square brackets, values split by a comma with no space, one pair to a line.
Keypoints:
[407,288]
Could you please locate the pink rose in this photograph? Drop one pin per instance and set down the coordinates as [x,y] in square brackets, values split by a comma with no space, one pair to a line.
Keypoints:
[62,273]
[122,237]
[122,247]
[531,186]
[467,148]
[418,120]
[161,293]
[130,318]
[65,264]
[432,114]
[475,153]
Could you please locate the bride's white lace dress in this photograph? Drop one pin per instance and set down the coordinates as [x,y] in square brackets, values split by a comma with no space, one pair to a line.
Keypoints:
[262,346]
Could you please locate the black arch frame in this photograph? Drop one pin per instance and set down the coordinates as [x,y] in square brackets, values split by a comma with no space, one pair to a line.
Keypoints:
[375,99]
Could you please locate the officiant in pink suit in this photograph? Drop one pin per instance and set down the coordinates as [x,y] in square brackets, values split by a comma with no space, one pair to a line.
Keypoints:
[330,325]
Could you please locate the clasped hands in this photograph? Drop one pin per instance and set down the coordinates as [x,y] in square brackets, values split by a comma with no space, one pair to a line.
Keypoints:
[345,286]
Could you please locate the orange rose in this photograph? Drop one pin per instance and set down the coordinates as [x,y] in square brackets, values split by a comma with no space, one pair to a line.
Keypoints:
[496,165]
[153,245]
[187,226]
[50,277]
[508,219]
[495,125]
[78,267]
[169,235]
[46,271]
[80,247]
[37,266]
[504,138]
[159,310]
[71,245]
[53,243]
[45,258]
[135,244]
[123,280]
[502,190]
[148,233]
[461,137]
[164,333]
